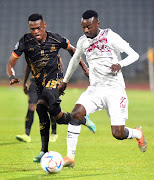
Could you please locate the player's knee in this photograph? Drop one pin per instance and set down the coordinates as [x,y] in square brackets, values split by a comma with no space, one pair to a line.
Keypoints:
[76,115]
[40,108]
[78,112]
[32,107]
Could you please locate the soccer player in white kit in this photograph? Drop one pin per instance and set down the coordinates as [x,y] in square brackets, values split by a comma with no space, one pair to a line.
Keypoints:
[102,48]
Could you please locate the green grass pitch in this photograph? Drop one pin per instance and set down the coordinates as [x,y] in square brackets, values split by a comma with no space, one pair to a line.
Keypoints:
[98,157]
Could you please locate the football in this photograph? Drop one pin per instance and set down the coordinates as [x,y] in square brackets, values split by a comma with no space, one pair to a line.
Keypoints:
[52,162]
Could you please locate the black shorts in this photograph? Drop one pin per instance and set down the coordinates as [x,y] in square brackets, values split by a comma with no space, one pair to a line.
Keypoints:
[50,95]
[32,93]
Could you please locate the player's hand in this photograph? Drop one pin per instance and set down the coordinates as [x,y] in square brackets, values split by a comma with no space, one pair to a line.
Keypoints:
[115,68]
[13,81]
[25,88]
[87,72]
[61,88]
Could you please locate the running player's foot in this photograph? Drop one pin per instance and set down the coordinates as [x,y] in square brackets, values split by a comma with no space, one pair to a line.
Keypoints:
[53,137]
[91,126]
[68,162]
[142,143]
[37,159]
[24,138]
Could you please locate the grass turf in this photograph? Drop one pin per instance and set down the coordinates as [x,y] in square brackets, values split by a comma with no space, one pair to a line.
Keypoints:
[99,156]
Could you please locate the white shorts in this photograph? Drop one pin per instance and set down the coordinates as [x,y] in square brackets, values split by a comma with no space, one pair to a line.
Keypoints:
[113,100]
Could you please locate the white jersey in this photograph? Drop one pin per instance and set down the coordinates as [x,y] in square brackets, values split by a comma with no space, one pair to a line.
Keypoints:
[101,53]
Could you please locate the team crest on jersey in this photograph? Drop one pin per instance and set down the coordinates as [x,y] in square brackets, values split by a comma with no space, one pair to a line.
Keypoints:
[31,49]
[53,48]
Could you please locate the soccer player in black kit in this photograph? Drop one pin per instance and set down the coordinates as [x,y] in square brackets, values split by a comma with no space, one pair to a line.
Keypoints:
[41,53]
[31,92]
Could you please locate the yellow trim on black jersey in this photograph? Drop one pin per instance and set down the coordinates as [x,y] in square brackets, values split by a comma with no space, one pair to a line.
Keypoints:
[54,39]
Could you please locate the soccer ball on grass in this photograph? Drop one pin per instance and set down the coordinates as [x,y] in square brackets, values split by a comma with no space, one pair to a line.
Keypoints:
[52,162]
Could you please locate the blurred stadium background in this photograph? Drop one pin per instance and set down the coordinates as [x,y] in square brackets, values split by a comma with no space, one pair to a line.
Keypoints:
[132,19]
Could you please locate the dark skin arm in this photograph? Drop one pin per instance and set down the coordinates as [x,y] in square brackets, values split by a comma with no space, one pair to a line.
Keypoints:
[61,64]
[27,72]
[10,71]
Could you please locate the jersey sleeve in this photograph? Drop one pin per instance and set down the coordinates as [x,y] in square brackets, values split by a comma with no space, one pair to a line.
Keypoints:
[19,48]
[79,44]
[74,62]
[121,45]
[117,42]
[63,41]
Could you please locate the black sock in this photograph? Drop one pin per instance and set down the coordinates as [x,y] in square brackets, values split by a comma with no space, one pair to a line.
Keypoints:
[29,121]
[45,141]
[53,125]
[54,130]
[65,119]
[77,122]
[44,126]
[83,121]
[126,133]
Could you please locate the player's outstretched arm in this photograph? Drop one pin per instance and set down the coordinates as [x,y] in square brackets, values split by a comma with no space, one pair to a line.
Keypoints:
[84,67]
[10,71]
[25,86]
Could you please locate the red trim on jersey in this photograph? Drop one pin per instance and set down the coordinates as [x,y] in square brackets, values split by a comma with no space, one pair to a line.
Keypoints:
[15,55]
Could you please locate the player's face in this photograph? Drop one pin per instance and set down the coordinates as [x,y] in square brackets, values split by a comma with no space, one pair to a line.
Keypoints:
[37,29]
[90,27]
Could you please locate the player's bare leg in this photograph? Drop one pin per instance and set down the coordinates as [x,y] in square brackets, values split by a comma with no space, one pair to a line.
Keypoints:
[122,132]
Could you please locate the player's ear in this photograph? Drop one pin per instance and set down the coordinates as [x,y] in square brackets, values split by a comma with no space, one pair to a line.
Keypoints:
[98,23]
[45,24]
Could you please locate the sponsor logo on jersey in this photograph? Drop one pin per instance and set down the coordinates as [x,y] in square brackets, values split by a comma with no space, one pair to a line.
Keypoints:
[16,46]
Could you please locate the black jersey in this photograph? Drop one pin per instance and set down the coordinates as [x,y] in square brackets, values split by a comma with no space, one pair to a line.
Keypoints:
[42,58]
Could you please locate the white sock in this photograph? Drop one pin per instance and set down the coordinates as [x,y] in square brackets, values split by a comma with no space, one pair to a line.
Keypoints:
[133,133]
[72,139]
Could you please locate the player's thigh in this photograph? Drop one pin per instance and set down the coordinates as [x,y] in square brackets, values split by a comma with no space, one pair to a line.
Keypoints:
[32,97]
[117,106]
[90,100]
[32,94]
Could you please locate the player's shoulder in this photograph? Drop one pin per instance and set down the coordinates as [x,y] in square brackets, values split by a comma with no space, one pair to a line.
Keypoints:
[106,31]
[111,32]
[27,37]
[82,39]
[54,35]
[50,33]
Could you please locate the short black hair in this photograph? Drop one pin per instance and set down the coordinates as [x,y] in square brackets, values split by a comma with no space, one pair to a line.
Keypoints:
[35,17]
[90,13]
